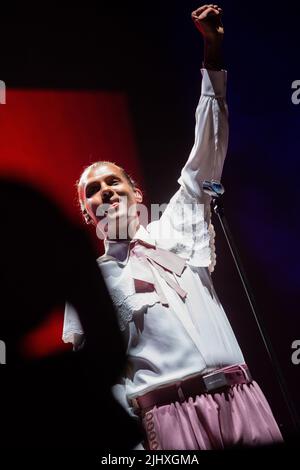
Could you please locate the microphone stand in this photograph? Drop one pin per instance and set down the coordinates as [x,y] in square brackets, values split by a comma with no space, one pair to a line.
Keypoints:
[216,190]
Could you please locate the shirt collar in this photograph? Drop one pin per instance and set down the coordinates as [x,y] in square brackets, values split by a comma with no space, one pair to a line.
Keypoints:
[118,249]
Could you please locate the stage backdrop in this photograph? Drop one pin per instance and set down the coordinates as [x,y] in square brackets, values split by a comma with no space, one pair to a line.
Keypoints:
[122,83]
[47,138]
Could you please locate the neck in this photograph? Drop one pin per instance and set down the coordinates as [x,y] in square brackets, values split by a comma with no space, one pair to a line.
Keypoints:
[130,232]
[117,248]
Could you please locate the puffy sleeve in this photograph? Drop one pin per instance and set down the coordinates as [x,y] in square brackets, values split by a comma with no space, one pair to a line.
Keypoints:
[72,328]
[207,156]
[185,227]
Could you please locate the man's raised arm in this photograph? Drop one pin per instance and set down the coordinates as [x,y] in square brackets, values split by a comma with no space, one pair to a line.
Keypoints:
[207,19]
[211,134]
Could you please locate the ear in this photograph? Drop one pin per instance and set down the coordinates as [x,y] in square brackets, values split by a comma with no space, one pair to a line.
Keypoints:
[138,195]
[88,213]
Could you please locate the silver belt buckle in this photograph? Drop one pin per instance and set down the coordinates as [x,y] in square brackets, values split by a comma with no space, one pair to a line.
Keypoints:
[214,381]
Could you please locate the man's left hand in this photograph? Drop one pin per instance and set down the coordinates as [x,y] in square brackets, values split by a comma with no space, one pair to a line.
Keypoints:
[208,21]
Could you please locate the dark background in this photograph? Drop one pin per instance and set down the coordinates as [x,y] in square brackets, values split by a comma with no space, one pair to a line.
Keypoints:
[151,52]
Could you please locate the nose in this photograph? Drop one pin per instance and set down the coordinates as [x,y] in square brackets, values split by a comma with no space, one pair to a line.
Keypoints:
[106,194]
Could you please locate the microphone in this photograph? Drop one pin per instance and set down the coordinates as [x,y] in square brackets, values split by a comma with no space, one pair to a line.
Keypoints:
[213,188]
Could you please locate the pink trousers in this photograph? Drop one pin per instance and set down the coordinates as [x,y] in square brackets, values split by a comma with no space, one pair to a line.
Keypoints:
[239,416]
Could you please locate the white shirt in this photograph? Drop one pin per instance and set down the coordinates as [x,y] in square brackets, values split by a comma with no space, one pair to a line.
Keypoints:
[185,336]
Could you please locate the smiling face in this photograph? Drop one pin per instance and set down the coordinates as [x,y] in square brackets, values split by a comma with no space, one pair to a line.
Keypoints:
[110,200]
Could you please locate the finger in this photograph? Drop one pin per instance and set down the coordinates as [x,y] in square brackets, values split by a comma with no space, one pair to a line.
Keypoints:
[203,9]
[200,10]
[210,11]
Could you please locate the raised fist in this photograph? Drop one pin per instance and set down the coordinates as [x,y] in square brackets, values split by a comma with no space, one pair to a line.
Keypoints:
[208,20]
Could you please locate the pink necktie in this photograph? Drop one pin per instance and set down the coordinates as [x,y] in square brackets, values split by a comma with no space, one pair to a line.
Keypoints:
[149,263]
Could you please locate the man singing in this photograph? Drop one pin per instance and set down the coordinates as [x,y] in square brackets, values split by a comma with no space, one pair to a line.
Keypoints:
[186,379]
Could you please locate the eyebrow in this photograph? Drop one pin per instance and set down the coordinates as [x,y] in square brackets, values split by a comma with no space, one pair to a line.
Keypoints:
[96,182]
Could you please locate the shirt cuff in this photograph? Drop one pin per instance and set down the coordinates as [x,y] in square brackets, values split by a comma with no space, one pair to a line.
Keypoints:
[214,83]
